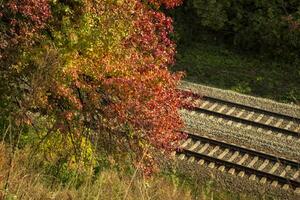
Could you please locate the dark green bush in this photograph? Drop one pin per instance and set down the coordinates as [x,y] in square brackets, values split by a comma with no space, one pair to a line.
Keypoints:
[271,27]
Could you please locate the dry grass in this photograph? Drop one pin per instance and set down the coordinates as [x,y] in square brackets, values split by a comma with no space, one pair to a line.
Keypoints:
[27,181]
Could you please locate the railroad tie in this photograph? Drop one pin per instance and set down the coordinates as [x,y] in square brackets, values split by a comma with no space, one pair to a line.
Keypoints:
[259,118]
[223,154]
[204,148]
[222,168]
[274,183]
[173,154]
[288,126]
[239,124]
[252,177]
[285,187]
[211,117]
[248,127]
[243,159]
[279,134]
[186,143]
[232,170]
[278,123]
[287,168]
[249,115]
[222,109]
[195,146]
[296,175]
[240,113]
[265,163]
[274,168]
[213,151]
[269,132]
[289,137]
[230,111]
[211,165]
[253,161]
[297,129]
[220,119]
[259,129]
[181,156]
[241,174]
[204,104]
[212,107]
[192,112]
[229,122]
[191,159]
[236,153]
[202,114]
[263,180]
[269,120]
[201,162]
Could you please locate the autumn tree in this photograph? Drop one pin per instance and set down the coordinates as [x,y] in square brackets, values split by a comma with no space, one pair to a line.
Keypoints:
[96,70]
[165,3]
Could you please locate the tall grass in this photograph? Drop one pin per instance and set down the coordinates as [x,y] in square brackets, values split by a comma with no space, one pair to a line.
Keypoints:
[27,180]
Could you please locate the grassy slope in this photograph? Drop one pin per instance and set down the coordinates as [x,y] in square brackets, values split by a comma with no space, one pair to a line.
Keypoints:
[217,66]
[29,180]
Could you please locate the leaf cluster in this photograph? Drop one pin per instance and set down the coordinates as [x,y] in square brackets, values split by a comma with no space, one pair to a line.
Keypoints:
[99,71]
[269,27]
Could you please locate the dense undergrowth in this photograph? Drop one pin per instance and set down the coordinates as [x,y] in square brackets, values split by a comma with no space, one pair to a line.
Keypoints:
[25,175]
[266,27]
[212,56]
[216,65]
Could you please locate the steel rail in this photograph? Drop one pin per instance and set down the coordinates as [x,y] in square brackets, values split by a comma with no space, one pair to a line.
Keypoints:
[250,108]
[234,147]
[248,122]
[248,170]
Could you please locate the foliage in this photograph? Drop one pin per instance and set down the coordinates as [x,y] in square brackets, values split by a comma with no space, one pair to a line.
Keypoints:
[97,69]
[217,65]
[30,180]
[21,19]
[264,26]
[166,3]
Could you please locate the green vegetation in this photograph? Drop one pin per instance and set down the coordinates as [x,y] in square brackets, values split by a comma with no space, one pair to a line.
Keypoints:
[218,44]
[269,27]
[219,66]
[24,176]
[88,103]
[90,76]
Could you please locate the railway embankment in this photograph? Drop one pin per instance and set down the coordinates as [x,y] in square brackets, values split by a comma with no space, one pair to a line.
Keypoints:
[243,136]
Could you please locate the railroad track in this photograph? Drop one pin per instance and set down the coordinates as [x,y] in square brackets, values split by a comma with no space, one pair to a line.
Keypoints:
[242,161]
[249,117]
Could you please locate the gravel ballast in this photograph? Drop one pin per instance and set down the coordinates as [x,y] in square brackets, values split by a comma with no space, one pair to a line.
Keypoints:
[268,143]
[234,133]
[214,180]
[261,103]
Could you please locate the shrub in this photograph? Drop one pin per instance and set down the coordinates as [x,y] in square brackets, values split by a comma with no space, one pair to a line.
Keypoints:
[31,181]
[97,69]
[267,26]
